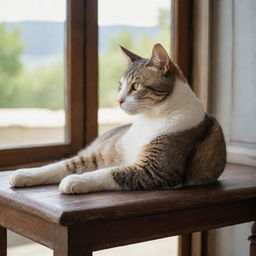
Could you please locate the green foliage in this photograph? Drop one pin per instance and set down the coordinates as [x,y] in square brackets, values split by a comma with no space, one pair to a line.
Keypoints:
[11,48]
[37,88]
[112,63]
[43,87]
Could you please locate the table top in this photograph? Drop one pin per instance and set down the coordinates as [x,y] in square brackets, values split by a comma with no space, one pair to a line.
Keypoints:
[237,183]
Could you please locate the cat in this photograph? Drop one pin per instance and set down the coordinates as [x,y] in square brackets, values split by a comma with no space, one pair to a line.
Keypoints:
[172,142]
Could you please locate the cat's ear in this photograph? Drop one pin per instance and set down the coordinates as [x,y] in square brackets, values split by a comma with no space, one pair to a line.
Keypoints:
[131,57]
[160,59]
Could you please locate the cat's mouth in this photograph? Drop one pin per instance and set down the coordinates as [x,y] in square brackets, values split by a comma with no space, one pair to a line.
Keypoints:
[129,108]
[133,109]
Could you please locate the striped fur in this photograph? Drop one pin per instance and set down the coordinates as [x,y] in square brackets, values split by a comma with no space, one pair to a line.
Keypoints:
[172,142]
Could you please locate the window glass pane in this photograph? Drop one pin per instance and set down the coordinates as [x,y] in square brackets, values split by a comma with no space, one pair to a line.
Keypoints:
[32,58]
[136,25]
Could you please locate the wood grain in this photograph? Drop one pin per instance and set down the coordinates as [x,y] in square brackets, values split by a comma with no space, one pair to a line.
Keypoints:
[182,52]
[69,243]
[238,183]
[185,243]
[183,36]
[32,227]
[91,71]
[102,220]
[75,103]
[170,224]
[9,158]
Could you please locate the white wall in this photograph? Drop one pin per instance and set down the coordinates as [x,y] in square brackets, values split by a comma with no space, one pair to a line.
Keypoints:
[14,239]
[230,241]
[233,101]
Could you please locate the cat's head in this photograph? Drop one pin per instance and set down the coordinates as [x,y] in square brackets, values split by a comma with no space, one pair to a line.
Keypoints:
[147,82]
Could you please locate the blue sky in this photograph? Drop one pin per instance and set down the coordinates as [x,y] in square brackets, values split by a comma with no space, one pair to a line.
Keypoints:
[129,12]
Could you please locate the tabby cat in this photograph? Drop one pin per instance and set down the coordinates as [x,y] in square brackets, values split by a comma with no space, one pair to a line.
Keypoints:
[172,142]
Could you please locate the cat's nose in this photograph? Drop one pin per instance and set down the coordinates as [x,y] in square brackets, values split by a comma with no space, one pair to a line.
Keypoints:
[120,101]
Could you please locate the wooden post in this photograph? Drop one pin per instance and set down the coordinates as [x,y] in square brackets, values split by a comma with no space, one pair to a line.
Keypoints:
[184,248]
[252,238]
[69,242]
[3,242]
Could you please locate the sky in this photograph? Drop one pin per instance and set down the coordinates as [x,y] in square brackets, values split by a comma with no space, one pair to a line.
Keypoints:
[129,12]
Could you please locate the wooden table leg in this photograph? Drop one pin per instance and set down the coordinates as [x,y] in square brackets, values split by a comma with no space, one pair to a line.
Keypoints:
[3,242]
[72,252]
[252,238]
[70,243]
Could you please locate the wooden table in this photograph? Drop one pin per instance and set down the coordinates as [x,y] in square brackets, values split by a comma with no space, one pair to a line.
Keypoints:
[78,224]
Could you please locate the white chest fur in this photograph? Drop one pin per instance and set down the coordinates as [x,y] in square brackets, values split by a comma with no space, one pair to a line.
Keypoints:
[180,112]
[141,133]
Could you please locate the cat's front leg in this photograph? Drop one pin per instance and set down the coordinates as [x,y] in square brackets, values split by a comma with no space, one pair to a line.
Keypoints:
[49,174]
[141,176]
[52,173]
[100,180]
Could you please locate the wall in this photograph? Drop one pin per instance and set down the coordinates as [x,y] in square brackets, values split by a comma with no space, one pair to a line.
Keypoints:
[233,93]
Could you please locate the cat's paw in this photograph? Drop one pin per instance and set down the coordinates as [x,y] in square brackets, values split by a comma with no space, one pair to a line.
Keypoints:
[100,180]
[21,178]
[74,184]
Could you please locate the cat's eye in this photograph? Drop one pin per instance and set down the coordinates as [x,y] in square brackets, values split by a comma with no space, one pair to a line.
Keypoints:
[135,86]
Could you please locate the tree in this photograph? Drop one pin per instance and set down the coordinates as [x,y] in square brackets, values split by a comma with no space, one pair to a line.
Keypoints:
[21,86]
[11,48]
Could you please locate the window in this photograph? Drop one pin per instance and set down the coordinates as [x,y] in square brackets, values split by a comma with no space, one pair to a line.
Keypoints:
[78,82]
[70,93]
[32,85]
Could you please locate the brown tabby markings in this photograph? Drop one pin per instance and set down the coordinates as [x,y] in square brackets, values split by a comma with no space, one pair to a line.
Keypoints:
[208,158]
[163,163]
[194,154]
[191,157]
[106,145]
[155,86]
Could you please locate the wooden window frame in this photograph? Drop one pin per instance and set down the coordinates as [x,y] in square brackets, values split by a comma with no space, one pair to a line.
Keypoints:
[182,51]
[81,99]
[191,33]
[182,35]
